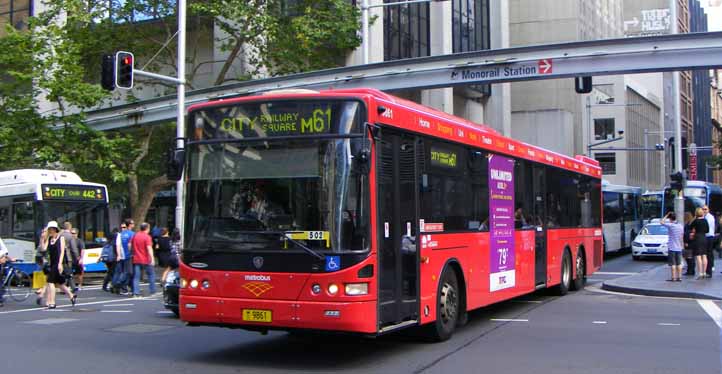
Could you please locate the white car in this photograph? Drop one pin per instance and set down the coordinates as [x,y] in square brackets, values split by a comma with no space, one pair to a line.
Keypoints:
[651,242]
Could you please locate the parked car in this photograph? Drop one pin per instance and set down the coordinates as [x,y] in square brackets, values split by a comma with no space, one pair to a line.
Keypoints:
[171,286]
[651,242]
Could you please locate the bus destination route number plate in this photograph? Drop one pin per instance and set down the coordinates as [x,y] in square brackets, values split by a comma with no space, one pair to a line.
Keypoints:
[256,315]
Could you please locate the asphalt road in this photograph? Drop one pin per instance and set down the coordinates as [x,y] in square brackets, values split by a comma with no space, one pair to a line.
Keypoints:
[591,331]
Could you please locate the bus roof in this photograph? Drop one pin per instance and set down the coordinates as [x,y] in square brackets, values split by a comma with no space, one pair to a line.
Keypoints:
[425,120]
[36,176]
[608,187]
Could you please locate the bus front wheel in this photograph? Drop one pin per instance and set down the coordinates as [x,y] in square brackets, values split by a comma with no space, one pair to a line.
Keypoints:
[447,307]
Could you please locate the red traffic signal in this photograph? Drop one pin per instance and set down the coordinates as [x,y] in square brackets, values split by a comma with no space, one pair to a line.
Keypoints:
[124,70]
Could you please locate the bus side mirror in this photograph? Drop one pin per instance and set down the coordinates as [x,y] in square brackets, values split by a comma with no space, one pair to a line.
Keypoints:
[362,161]
[176,161]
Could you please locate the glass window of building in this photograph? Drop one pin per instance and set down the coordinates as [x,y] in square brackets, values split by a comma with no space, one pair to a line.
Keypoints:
[471,31]
[15,13]
[608,162]
[603,128]
[406,30]
[603,94]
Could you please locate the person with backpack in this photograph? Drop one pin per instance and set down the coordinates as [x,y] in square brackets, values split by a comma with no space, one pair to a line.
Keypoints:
[108,256]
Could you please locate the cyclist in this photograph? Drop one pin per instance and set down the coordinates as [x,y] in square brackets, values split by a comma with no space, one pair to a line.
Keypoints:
[4,258]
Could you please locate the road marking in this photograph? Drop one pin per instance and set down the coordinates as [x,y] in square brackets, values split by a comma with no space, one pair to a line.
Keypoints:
[508,320]
[51,321]
[78,304]
[600,322]
[116,305]
[164,312]
[667,324]
[116,311]
[712,310]
[527,301]
[613,273]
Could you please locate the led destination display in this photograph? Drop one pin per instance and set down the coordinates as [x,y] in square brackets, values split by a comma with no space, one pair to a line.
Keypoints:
[70,192]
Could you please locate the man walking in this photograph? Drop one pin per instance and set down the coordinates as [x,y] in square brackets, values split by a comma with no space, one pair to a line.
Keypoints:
[675,231]
[143,259]
[125,265]
[71,255]
[709,217]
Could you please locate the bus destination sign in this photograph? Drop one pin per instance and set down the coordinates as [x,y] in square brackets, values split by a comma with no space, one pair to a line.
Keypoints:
[70,192]
[279,123]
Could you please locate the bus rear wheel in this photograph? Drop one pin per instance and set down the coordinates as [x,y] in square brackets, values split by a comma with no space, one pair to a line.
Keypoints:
[566,275]
[580,268]
[447,307]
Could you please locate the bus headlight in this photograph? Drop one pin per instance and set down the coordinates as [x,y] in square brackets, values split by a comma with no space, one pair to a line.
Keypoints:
[205,284]
[194,283]
[332,289]
[355,289]
[183,283]
[316,289]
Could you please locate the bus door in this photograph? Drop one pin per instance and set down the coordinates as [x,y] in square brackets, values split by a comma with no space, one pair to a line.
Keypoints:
[540,224]
[397,229]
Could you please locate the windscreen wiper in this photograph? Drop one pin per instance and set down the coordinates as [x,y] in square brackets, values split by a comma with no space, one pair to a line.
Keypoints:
[304,247]
[285,236]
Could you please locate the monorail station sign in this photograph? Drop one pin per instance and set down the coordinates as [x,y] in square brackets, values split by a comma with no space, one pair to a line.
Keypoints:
[521,70]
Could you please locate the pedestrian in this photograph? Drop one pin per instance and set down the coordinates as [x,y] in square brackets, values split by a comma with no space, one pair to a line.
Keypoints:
[675,233]
[54,244]
[175,249]
[143,259]
[78,266]
[688,253]
[163,250]
[41,259]
[71,257]
[4,257]
[125,265]
[711,221]
[699,242]
[111,259]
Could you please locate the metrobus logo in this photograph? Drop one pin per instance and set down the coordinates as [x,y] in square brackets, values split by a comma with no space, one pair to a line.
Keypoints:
[262,278]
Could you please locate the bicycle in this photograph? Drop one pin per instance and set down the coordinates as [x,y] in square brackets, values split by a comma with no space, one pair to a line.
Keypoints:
[16,282]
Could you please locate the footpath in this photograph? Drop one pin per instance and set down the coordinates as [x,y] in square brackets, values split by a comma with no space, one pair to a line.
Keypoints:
[653,283]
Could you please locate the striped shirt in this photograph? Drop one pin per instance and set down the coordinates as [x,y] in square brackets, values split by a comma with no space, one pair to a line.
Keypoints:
[674,235]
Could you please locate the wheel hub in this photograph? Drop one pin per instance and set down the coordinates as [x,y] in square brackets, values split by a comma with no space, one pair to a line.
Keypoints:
[449,301]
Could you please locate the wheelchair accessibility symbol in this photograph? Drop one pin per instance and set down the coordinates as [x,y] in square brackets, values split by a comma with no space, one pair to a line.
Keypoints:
[333,263]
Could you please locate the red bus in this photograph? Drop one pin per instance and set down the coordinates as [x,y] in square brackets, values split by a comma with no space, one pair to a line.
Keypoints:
[357,211]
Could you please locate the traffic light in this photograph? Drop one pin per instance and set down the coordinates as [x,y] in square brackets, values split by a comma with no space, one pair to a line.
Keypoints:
[659,147]
[583,85]
[124,70]
[107,76]
[678,181]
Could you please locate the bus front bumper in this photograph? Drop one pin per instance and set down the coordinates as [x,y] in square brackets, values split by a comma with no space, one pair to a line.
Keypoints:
[356,317]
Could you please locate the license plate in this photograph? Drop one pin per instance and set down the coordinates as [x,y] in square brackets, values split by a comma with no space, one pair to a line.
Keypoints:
[651,251]
[256,315]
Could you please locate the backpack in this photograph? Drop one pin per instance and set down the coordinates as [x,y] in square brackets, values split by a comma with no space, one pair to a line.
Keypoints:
[107,254]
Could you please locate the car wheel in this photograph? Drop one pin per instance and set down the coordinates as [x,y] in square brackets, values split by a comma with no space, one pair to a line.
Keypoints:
[580,268]
[447,307]
[566,275]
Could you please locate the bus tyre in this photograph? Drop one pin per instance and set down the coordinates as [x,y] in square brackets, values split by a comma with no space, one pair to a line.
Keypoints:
[580,268]
[447,307]
[566,275]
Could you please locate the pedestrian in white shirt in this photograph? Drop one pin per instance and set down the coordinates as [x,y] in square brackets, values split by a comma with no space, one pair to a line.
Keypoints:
[709,217]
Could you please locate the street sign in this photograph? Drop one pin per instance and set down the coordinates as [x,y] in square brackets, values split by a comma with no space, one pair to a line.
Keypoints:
[692,161]
[545,66]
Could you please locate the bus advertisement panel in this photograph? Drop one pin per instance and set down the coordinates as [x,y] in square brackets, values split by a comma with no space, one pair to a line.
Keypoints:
[356,211]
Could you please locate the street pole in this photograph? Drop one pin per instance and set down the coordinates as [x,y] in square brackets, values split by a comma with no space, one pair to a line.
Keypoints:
[679,200]
[365,30]
[180,114]
[646,162]
[589,125]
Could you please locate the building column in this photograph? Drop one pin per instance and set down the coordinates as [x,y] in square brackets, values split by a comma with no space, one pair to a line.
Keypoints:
[440,34]
[498,108]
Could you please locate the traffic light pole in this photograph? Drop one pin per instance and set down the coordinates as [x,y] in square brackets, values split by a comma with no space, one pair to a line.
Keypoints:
[181,108]
[148,74]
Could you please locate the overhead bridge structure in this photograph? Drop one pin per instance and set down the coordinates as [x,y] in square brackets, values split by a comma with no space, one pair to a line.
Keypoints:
[600,57]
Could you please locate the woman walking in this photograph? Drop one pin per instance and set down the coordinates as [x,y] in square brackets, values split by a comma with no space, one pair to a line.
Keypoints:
[688,253]
[55,245]
[163,251]
[698,242]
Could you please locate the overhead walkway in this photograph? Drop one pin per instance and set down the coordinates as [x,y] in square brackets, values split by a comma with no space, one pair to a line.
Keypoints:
[552,61]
